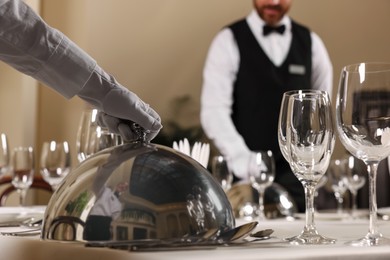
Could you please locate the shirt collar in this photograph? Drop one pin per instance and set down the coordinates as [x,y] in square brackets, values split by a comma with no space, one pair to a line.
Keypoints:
[255,21]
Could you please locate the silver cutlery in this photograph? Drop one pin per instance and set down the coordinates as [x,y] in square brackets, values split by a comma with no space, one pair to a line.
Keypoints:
[210,239]
[237,237]
[32,223]
[30,232]
[260,235]
[236,233]
[25,222]
[13,223]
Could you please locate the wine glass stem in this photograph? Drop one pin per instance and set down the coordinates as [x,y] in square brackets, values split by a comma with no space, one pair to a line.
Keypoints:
[309,196]
[22,196]
[354,203]
[261,205]
[372,168]
[54,187]
[340,201]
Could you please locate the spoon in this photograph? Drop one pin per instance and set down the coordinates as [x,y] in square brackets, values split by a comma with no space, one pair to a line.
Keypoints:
[202,236]
[236,233]
[209,239]
[262,233]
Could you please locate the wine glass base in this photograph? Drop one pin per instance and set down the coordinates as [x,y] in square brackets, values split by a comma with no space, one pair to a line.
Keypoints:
[310,238]
[370,240]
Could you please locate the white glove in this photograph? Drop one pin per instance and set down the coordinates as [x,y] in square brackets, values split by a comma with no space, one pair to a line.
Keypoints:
[239,164]
[119,107]
[122,127]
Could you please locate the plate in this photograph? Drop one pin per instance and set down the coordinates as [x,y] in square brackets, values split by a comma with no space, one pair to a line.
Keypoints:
[15,214]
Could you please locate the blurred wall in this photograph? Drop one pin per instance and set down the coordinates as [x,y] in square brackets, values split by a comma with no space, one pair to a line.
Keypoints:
[157,49]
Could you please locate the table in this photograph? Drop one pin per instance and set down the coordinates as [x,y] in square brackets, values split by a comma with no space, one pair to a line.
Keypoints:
[31,248]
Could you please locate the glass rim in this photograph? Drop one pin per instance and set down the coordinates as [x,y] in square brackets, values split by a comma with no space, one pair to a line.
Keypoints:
[303,91]
[369,67]
[310,95]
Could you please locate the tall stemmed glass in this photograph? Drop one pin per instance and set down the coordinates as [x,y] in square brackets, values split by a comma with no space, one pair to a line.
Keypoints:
[261,174]
[282,122]
[310,142]
[55,162]
[355,180]
[282,125]
[4,154]
[363,124]
[338,179]
[91,138]
[23,171]
[85,133]
[221,172]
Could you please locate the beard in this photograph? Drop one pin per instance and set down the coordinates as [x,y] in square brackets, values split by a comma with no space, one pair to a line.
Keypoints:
[271,14]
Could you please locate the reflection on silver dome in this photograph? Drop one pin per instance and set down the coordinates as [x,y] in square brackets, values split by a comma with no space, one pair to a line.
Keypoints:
[136,191]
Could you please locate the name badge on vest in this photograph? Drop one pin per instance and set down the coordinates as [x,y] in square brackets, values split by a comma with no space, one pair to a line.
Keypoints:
[296,69]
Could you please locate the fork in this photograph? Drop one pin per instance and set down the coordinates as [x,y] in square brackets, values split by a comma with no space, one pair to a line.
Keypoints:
[30,232]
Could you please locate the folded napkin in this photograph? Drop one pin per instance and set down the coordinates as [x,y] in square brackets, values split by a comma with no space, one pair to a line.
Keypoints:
[200,151]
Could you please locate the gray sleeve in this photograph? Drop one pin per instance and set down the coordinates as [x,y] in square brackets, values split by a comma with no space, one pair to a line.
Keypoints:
[32,47]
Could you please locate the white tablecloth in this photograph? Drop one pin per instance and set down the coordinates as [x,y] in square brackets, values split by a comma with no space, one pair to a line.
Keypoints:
[22,248]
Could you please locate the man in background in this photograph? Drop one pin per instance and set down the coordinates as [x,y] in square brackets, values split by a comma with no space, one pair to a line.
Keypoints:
[250,64]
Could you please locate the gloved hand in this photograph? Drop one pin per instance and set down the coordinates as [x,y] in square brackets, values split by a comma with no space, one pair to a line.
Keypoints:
[119,107]
[238,195]
[122,127]
[239,164]
[117,116]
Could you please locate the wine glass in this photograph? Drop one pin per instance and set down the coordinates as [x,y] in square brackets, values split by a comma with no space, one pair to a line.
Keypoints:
[355,180]
[4,154]
[221,172]
[261,174]
[338,179]
[23,171]
[92,138]
[310,142]
[55,162]
[363,124]
[282,127]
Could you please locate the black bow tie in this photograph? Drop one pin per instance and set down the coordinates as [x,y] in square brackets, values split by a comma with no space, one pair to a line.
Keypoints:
[268,29]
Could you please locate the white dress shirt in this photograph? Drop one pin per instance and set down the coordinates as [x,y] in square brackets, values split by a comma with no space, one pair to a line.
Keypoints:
[221,67]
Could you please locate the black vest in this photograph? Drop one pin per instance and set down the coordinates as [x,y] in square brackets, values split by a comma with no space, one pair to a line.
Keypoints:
[260,84]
